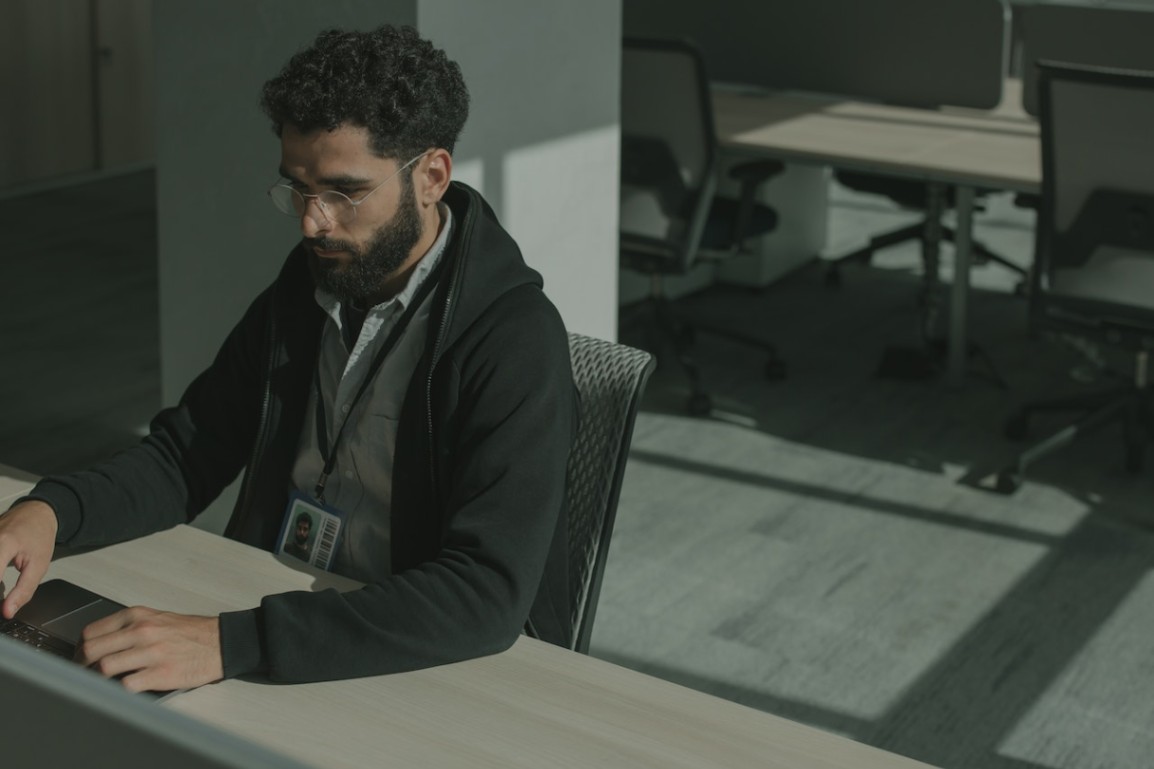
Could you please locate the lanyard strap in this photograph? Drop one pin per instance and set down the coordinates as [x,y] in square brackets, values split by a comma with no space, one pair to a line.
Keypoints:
[390,342]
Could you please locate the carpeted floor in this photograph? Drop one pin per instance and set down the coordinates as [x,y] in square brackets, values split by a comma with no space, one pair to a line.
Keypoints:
[816,548]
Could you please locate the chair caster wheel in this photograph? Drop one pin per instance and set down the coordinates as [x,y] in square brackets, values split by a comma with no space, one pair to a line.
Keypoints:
[1008,482]
[699,404]
[1016,427]
[775,369]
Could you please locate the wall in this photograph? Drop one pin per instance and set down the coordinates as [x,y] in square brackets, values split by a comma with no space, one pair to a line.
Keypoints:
[542,141]
[77,85]
[126,86]
[44,54]
[541,144]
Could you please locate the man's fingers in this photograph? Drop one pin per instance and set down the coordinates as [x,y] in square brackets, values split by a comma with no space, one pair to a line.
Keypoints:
[105,637]
[22,591]
[121,662]
[9,551]
[7,554]
[139,669]
[24,588]
[27,538]
[109,624]
[148,649]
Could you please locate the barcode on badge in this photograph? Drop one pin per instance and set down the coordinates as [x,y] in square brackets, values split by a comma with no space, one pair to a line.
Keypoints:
[327,541]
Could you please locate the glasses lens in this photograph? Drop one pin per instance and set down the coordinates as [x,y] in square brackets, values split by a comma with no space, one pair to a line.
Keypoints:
[336,206]
[287,200]
[333,205]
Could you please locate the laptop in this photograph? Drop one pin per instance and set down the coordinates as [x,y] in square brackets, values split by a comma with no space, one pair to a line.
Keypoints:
[53,620]
[55,617]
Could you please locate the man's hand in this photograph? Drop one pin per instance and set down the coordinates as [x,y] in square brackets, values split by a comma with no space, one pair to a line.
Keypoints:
[154,650]
[27,539]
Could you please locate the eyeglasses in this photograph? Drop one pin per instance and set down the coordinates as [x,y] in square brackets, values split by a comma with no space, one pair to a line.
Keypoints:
[335,206]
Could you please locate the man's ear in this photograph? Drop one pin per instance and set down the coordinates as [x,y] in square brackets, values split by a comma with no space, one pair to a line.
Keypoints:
[435,171]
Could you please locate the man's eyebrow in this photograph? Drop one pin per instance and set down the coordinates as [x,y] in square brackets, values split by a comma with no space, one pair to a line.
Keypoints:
[343,180]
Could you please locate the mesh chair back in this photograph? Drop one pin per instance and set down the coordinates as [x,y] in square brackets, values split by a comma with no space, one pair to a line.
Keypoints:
[1094,263]
[668,148]
[610,379]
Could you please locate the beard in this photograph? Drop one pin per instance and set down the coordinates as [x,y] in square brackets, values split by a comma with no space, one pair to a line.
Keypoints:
[361,278]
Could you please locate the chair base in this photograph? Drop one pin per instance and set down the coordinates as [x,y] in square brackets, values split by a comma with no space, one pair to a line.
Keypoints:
[920,231]
[1129,405]
[670,331]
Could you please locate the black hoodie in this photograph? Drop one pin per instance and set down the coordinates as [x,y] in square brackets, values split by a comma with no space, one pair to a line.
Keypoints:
[479,548]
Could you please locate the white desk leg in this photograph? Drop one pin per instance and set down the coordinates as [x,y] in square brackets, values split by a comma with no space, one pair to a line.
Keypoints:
[963,242]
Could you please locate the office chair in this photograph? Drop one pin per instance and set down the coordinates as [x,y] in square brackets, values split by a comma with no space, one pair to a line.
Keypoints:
[610,379]
[1094,247]
[934,200]
[671,216]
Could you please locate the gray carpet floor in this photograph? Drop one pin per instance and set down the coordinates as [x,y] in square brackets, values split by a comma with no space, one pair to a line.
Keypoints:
[822,547]
[816,548]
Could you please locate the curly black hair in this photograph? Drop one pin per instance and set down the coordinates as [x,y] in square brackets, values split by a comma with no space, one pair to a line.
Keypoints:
[407,93]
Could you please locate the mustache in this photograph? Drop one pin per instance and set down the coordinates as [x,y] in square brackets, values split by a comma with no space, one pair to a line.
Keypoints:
[328,244]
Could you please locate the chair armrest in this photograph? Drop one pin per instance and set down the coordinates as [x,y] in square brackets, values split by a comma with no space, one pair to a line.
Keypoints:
[751,174]
[648,255]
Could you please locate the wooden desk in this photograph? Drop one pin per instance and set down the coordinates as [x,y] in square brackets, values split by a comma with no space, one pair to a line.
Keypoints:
[964,149]
[13,483]
[532,706]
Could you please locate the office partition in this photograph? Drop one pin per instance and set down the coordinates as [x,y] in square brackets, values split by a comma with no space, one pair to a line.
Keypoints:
[58,714]
[923,53]
[1113,35]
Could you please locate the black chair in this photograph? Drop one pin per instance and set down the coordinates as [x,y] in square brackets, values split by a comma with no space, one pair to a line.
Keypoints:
[610,380]
[1093,274]
[934,200]
[671,217]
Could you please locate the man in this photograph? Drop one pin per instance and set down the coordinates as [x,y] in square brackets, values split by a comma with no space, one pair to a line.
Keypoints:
[404,375]
[300,546]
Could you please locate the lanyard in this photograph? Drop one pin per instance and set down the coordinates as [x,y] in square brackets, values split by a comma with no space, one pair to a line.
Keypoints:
[390,342]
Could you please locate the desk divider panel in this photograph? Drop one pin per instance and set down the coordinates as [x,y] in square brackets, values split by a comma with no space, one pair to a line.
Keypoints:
[920,53]
[59,714]
[1102,36]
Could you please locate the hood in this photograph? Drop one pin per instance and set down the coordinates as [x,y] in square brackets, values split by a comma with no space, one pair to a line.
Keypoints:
[482,262]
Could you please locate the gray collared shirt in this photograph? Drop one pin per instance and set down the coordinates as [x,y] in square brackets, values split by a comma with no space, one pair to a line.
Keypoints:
[362,480]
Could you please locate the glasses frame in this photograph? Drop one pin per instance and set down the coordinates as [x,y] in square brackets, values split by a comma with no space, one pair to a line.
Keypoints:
[319,197]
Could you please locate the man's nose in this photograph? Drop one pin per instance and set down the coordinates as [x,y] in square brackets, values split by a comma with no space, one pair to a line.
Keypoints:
[314,223]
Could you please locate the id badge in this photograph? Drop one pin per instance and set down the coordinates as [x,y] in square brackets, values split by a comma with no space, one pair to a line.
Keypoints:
[311,531]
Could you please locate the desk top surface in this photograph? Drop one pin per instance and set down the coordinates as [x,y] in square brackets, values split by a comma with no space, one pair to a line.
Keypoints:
[532,705]
[13,483]
[998,148]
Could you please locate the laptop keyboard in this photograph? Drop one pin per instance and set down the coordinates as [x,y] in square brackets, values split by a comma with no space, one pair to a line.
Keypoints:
[22,631]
